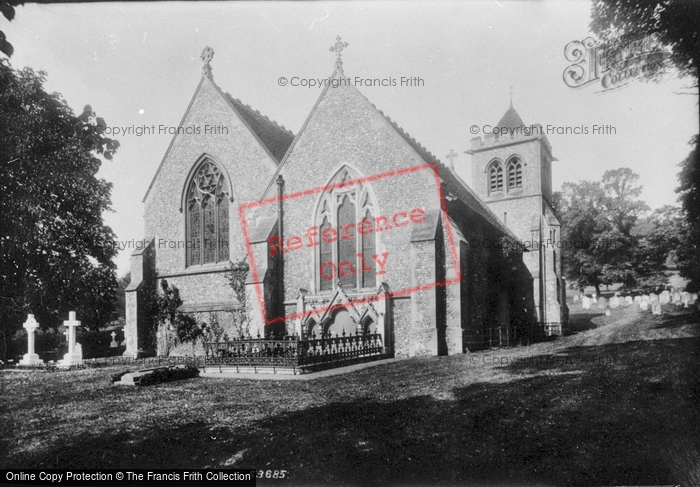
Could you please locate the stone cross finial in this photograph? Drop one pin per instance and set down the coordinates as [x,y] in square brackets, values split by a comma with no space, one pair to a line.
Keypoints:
[206,57]
[337,48]
[451,156]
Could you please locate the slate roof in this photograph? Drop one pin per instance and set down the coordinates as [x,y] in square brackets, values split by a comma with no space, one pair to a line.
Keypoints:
[276,138]
[511,119]
[453,183]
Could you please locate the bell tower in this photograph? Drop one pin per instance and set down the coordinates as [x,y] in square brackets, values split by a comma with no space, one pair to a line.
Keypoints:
[512,173]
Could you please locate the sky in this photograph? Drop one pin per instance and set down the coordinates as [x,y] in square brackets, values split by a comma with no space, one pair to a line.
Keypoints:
[138,64]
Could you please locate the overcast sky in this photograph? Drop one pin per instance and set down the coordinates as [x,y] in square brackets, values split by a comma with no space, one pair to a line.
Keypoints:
[138,64]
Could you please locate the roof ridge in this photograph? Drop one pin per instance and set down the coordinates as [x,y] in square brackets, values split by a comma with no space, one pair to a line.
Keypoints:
[273,122]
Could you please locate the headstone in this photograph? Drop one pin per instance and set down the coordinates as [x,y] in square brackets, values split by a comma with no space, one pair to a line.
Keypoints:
[693,298]
[656,308]
[644,305]
[637,299]
[575,298]
[30,358]
[653,298]
[645,297]
[607,311]
[114,343]
[73,357]
[676,296]
[602,303]
[628,300]
[685,299]
[586,302]
[615,302]
[594,298]
[665,297]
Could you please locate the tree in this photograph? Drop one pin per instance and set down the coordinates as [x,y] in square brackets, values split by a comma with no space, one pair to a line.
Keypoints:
[601,248]
[56,254]
[689,196]
[7,7]
[674,23]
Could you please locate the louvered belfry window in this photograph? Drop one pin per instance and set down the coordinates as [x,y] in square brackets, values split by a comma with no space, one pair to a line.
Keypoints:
[495,178]
[207,216]
[515,174]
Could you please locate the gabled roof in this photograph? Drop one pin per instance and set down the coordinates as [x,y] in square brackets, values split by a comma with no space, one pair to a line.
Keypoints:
[453,183]
[276,138]
[511,119]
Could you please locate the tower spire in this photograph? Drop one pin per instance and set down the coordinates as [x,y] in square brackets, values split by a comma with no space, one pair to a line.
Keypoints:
[511,96]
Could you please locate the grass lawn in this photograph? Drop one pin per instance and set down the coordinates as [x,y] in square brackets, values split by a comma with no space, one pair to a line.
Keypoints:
[617,403]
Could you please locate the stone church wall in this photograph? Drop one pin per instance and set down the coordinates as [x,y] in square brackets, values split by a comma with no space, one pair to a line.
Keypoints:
[248,166]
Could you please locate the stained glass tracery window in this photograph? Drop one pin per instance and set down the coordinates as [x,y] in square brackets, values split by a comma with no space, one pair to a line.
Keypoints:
[207,216]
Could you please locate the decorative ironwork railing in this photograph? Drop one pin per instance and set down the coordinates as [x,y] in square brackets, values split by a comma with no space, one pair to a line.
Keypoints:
[294,352]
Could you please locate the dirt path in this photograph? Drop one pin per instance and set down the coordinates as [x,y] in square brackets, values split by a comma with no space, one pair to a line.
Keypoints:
[626,323]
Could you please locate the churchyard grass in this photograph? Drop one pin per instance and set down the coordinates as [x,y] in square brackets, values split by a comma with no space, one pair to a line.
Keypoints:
[616,403]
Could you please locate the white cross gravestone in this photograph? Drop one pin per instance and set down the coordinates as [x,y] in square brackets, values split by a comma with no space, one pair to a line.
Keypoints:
[30,358]
[114,343]
[73,357]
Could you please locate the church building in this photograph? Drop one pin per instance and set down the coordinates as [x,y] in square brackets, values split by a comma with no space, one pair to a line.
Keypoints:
[349,227]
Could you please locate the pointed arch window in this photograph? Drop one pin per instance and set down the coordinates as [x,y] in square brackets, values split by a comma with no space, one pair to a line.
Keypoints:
[207,219]
[495,177]
[515,174]
[346,214]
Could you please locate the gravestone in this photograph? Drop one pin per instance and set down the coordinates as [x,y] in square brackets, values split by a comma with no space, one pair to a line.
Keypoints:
[653,298]
[685,299]
[644,305]
[637,299]
[30,358]
[594,298]
[656,308]
[628,300]
[575,298]
[665,297]
[645,297]
[693,298]
[114,343]
[586,302]
[615,302]
[676,297]
[602,303]
[607,311]
[73,357]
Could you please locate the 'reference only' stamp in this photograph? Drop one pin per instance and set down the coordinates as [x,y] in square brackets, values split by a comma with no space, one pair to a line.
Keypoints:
[335,252]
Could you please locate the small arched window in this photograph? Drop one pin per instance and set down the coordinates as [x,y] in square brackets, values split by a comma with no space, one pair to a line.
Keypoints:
[515,174]
[496,177]
[207,216]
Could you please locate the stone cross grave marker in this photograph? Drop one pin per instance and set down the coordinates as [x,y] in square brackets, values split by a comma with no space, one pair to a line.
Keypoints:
[114,343]
[30,358]
[73,357]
